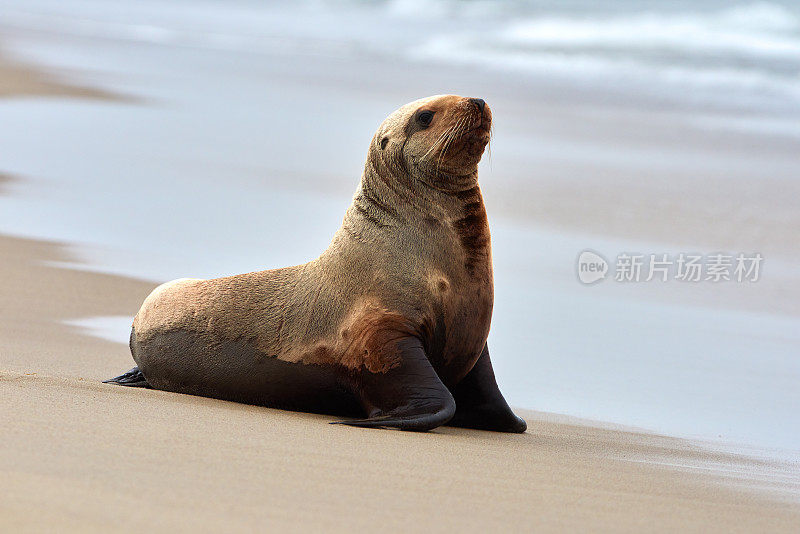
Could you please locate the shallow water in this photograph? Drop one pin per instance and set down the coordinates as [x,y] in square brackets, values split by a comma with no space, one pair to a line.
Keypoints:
[240,149]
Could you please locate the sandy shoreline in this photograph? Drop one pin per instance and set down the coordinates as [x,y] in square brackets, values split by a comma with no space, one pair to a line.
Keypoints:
[84,455]
[20,80]
[36,299]
[79,455]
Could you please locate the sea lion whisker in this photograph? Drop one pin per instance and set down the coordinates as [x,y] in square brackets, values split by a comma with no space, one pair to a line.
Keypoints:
[439,141]
[451,138]
[443,139]
[435,145]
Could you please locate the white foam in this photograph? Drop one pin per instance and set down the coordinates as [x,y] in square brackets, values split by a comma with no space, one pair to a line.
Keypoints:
[739,31]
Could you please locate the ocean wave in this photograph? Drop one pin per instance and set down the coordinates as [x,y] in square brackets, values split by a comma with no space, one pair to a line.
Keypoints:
[759,29]
[691,50]
[742,55]
[734,85]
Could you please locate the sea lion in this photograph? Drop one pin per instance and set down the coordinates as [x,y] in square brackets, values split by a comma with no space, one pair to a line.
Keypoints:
[389,322]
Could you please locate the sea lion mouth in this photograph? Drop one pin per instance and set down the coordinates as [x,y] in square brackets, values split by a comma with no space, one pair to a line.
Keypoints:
[480,129]
[476,137]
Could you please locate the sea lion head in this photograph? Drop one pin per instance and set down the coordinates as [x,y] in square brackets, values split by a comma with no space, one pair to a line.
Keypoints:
[441,138]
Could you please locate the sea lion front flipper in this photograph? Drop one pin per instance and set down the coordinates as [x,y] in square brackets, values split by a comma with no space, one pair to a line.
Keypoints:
[480,403]
[408,397]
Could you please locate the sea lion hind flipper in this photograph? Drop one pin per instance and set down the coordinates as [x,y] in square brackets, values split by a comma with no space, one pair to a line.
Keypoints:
[133,378]
[480,404]
[409,396]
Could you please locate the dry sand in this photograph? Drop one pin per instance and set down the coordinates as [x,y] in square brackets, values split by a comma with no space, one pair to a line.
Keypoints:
[78,455]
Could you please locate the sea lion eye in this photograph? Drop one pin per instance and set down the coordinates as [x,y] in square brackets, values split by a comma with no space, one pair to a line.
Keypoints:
[425,117]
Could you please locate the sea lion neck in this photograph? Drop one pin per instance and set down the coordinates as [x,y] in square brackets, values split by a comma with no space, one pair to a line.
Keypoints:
[383,193]
[448,184]
[393,193]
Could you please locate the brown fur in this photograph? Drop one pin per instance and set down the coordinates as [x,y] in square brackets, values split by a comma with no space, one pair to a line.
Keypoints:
[412,257]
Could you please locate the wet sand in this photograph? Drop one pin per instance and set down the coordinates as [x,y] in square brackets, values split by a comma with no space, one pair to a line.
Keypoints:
[37,298]
[82,456]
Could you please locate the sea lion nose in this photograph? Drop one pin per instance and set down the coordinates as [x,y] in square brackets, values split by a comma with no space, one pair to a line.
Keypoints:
[478,102]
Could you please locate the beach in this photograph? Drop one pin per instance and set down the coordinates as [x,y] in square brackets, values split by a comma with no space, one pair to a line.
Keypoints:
[152,142]
[82,456]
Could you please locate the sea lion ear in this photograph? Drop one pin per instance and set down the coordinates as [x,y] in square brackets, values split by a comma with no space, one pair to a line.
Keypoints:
[384,142]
